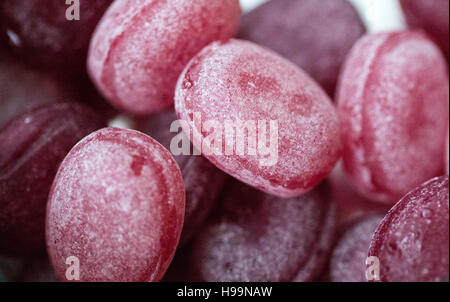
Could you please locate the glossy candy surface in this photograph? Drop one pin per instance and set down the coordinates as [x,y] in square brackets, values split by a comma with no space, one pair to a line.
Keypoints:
[203,181]
[431,16]
[412,241]
[253,236]
[117,203]
[393,102]
[40,33]
[32,147]
[288,136]
[140,47]
[315,35]
[348,260]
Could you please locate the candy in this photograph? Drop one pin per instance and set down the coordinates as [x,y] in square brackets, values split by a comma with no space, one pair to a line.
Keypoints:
[431,16]
[117,205]
[32,146]
[316,35]
[446,154]
[22,90]
[140,47]
[203,181]
[351,206]
[41,34]
[393,103]
[348,260]
[253,236]
[412,241]
[258,117]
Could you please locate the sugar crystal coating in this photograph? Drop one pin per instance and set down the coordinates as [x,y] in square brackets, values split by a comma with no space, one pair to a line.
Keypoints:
[238,82]
[32,147]
[316,35]
[393,102]
[39,31]
[253,236]
[117,203]
[203,181]
[348,260]
[412,241]
[431,16]
[140,47]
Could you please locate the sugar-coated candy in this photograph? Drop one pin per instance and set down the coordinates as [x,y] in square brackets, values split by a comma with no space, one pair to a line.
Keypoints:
[32,147]
[412,241]
[431,16]
[258,117]
[350,204]
[117,205]
[203,181]
[447,155]
[348,260]
[140,47]
[253,236]
[393,102]
[43,33]
[316,35]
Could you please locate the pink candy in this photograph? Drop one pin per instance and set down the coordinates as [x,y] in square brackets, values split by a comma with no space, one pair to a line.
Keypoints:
[32,147]
[393,102]
[117,204]
[140,47]
[286,137]
[412,242]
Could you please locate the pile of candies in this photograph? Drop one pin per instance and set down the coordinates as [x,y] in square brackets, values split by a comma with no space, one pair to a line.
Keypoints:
[285,144]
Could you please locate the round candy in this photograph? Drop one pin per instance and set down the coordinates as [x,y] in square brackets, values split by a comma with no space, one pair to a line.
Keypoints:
[412,241]
[117,205]
[253,236]
[32,147]
[393,102]
[203,181]
[431,16]
[140,47]
[44,33]
[258,117]
[316,35]
[348,260]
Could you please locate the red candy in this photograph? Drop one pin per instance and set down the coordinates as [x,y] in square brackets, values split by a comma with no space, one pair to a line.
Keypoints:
[412,242]
[140,47]
[32,146]
[117,204]
[393,102]
[40,33]
[348,260]
[431,16]
[295,140]
[203,181]
[253,236]
[316,35]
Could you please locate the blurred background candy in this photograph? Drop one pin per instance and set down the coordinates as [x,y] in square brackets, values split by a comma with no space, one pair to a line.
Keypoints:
[315,35]
[42,36]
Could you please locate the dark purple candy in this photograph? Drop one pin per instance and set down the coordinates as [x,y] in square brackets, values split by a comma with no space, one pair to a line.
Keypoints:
[40,33]
[32,146]
[316,35]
